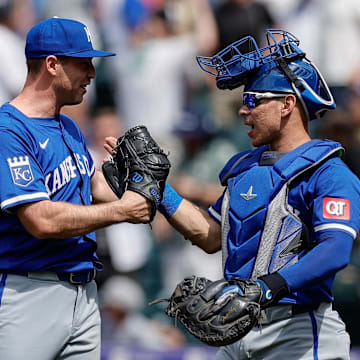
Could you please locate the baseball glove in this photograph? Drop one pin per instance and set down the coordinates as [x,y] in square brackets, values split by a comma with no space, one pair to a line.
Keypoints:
[139,165]
[216,312]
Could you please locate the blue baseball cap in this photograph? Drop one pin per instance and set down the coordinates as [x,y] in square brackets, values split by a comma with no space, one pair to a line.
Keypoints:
[62,37]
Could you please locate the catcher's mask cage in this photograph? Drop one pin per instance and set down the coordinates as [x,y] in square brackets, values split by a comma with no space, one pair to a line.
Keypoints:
[281,66]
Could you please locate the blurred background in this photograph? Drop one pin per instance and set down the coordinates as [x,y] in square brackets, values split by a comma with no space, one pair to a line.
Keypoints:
[155,81]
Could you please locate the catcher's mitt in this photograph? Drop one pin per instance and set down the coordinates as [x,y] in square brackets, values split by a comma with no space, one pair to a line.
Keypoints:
[140,165]
[217,313]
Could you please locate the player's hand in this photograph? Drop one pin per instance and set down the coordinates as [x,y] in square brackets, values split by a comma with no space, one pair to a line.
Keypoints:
[110,143]
[138,164]
[137,208]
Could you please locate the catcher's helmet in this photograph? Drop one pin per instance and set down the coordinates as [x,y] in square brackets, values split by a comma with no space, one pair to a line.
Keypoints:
[281,66]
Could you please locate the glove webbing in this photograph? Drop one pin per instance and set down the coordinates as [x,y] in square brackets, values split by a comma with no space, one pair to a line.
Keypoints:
[126,163]
[135,155]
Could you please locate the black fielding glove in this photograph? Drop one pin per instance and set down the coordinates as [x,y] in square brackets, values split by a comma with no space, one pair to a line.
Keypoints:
[139,165]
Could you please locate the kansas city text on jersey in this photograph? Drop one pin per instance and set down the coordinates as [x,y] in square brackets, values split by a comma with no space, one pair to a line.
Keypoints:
[66,171]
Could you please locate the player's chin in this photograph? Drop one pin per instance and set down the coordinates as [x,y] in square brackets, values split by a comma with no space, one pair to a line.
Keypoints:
[80,96]
[258,139]
[256,142]
[76,100]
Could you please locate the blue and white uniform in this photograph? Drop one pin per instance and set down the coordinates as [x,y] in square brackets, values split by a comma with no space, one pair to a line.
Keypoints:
[287,220]
[42,159]
[48,281]
[270,203]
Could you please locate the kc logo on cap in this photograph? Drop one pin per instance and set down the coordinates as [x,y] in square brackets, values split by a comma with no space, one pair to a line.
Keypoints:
[61,37]
[87,33]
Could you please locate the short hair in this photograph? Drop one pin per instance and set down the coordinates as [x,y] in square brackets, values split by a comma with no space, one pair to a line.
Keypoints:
[34,64]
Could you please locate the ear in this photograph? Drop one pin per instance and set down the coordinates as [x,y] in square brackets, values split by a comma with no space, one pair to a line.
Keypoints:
[288,105]
[51,62]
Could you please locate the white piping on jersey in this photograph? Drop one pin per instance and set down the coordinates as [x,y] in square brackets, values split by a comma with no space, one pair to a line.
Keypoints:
[330,226]
[15,199]
[216,215]
[92,171]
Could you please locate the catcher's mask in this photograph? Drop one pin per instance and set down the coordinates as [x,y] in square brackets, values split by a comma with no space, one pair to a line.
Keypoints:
[281,66]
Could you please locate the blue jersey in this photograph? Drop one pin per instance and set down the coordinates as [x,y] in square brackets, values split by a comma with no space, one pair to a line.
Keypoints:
[323,196]
[42,159]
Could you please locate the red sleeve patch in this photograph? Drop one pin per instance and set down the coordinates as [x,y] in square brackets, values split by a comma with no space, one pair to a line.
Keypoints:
[336,209]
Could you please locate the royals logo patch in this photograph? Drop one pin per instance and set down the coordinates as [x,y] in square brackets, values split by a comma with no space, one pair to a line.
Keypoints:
[20,170]
[334,208]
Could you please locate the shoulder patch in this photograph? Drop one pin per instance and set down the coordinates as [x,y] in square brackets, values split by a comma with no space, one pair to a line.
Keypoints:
[20,170]
[334,208]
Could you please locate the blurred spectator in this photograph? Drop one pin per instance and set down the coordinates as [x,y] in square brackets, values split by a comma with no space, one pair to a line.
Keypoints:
[12,59]
[105,122]
[23,16]
[343,125]
[239,18]
[207,147]
[278,11]
[151,73]
[122,301]
[236,19]
[329,32]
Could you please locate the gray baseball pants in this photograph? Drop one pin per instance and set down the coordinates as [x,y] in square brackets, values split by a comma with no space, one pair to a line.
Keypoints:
[315,335]
[46,319]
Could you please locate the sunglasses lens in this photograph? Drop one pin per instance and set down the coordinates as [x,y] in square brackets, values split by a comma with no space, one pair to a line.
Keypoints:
[249,100]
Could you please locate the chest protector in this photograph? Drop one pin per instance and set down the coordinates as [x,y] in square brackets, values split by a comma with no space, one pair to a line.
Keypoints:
[261,233]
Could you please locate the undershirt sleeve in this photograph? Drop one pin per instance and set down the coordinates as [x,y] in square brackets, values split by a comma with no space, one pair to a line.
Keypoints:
[331,254]
[215,209]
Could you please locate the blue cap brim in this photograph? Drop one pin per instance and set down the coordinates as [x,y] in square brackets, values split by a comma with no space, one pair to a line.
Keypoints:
[83,54]
[90,54]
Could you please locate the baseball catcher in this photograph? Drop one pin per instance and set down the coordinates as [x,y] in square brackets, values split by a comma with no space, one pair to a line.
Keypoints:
[139,165]
[286,220]
[216,312]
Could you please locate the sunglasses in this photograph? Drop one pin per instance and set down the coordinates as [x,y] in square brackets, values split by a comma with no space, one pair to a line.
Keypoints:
[252,99]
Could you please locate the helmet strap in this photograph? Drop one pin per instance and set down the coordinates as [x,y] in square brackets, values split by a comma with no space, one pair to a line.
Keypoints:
[289,73]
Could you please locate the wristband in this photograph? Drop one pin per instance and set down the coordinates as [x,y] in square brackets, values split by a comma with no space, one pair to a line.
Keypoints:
[266,292]
[170,202]
[278,286]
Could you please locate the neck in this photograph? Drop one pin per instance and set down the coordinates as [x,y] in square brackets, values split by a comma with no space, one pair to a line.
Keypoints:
[288,144]
[294,132]
[35,103]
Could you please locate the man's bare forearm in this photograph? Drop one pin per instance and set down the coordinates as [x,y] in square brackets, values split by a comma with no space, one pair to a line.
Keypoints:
[48,219]
[197,226]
